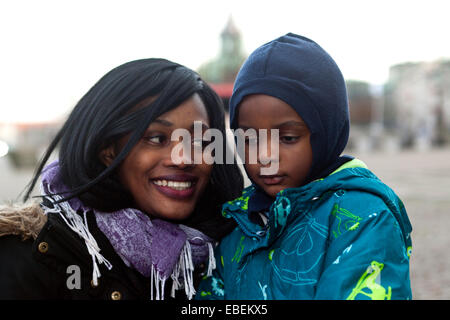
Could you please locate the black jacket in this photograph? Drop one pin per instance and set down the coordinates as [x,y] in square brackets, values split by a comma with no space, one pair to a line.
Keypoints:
[47,267]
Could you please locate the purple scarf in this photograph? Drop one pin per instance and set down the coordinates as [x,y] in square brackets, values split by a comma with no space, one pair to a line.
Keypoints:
[154,247]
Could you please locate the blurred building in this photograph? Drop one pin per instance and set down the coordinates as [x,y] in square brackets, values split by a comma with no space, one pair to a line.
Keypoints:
[360,102]
[362,114]
[417,103]
[221,71]
[27,141]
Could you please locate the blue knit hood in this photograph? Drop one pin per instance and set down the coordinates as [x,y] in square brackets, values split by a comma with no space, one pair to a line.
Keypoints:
[298,71]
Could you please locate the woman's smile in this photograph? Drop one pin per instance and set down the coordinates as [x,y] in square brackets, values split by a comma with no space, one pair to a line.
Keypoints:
[176,186]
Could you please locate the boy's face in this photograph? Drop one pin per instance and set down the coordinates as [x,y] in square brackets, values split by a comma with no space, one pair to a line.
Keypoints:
[260,111]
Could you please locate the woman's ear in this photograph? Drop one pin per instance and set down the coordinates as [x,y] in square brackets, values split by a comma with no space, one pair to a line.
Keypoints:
[107,155]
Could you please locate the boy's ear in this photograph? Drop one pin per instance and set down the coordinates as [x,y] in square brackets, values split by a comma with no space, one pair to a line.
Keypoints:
[107,155]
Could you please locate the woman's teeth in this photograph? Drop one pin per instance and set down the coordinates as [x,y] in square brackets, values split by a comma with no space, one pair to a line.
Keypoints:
[177,185]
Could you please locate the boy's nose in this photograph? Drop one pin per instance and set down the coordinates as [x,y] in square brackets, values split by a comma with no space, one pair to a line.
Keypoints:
[266,159]
[268,150]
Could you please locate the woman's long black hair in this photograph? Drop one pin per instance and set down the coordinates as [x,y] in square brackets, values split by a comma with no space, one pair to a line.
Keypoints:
[103,115]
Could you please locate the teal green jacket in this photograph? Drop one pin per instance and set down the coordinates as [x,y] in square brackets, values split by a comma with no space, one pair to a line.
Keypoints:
[346,236]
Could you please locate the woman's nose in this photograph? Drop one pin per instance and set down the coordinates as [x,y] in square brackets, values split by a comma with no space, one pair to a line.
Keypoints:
[180,154]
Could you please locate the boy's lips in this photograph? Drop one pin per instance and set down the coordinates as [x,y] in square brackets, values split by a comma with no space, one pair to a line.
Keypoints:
[272,179]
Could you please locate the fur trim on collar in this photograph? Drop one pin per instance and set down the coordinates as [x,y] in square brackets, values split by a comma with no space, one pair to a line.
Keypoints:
[25,220]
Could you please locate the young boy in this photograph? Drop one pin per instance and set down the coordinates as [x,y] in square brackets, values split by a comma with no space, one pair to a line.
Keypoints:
[323,226]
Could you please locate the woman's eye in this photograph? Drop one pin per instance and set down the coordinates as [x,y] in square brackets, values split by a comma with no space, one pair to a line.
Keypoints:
[199,143]
[289,139]
[156,139]
[252,140]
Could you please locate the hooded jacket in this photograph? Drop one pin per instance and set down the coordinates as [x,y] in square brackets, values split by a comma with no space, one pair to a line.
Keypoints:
[346,236]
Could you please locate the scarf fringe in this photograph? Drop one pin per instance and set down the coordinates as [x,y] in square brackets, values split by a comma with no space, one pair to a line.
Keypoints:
[80,226]
[184,269]
[211,260]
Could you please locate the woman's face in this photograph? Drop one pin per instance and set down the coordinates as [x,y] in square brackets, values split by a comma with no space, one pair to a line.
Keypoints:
[161,187]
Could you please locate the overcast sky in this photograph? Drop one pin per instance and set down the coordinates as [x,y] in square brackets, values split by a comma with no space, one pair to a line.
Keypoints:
[52,52]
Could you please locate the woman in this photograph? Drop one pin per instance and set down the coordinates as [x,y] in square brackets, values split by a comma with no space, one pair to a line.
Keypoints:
[120,218]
